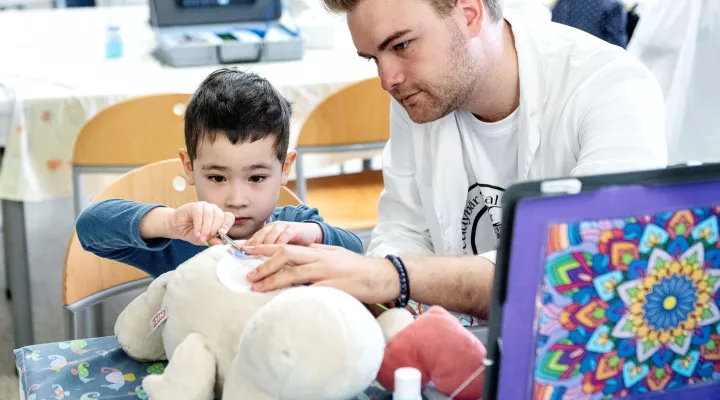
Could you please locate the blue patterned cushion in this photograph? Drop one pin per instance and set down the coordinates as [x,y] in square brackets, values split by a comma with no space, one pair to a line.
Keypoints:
[95,369]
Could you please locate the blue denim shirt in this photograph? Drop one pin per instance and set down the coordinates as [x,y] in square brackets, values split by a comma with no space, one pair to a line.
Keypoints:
[606,19]
[111,229]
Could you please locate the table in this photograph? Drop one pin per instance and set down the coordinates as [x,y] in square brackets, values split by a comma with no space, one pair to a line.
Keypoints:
[44,368]
[55,68]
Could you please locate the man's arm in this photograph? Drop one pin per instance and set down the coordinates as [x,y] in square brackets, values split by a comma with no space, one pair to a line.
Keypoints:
[459,284]
[401,228]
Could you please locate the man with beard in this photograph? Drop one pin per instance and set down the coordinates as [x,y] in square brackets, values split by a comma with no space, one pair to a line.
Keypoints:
[480,103]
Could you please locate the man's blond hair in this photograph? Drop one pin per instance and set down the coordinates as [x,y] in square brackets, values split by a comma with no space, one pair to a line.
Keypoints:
[442,7]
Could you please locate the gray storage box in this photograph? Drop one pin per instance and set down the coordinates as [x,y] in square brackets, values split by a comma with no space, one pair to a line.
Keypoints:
[248,31]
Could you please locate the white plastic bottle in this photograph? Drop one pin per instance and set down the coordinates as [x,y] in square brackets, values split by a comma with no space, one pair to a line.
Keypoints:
[408,384]
[113,42]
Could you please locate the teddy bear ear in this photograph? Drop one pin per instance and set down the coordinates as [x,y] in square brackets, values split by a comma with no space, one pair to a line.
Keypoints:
[393,321]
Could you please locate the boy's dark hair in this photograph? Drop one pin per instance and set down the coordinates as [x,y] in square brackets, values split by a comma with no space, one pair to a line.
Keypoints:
[241,105]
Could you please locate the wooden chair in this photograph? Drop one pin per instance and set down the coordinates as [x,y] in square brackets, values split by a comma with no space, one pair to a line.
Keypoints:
[88,279]
[356,118]
[129,134]
[124,136]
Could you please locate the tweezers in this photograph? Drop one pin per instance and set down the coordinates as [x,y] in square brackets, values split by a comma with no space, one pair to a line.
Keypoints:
[226,239]
[238,251]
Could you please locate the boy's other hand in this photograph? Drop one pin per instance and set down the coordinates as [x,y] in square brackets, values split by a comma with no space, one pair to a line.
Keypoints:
[282,232]
[199,222]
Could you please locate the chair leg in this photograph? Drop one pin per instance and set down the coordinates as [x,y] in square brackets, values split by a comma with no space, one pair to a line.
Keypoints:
[8,291]
[99,321]
[367,164]
[70,324]
[93,321]
[77,192]
[88,322]
[300,182]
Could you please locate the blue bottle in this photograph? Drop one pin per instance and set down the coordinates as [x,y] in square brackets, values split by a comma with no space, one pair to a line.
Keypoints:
[113,43]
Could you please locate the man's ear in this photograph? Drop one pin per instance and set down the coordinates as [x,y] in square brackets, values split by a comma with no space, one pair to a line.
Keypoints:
[187,166]
[472,16]
[289,160]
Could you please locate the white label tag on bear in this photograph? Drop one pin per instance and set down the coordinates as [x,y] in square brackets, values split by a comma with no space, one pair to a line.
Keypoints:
[158,319]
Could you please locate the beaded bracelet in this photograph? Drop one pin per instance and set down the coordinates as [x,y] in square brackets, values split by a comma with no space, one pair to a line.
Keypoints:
[404,281]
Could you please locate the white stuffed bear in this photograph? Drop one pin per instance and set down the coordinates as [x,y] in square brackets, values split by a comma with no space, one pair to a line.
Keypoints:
[223,340]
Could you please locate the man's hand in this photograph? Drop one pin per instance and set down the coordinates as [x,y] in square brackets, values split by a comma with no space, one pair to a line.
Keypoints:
[370,280]
[196,223]
[281,232]
[459,284]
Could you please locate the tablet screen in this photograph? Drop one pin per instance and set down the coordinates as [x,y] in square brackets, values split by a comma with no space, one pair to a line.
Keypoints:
[629,305]
[611,293]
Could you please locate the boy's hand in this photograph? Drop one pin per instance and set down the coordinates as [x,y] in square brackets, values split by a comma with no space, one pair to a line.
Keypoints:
[281,232]
[199,222]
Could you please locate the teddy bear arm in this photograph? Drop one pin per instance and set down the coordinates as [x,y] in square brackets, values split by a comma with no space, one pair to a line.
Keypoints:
[189,375]
[132,327]
[451,354]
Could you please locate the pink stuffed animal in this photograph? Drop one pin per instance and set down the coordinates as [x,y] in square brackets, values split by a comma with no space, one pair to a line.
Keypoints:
[437,345]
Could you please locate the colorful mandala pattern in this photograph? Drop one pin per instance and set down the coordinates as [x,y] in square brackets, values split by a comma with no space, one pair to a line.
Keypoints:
[630,306]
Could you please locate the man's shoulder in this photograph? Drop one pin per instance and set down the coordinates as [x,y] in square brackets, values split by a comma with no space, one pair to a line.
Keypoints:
[561,45]
[572,59]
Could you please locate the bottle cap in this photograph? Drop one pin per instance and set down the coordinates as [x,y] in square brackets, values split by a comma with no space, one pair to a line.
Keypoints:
[408,384]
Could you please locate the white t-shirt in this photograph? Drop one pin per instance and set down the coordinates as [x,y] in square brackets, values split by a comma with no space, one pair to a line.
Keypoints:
[490,154]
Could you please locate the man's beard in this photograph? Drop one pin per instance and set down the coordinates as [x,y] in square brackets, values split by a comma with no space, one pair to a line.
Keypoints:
[449,91]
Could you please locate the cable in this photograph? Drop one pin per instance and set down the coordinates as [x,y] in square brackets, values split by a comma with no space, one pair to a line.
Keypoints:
[468,381]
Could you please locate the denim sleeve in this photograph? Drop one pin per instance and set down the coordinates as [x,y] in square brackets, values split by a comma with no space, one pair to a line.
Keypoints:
[111,229]
[332,236]
[616,25]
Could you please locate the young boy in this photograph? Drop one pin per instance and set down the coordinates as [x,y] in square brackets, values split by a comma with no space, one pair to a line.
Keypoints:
[237,131]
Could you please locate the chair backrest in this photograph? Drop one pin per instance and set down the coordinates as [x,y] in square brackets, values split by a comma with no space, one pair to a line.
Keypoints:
[126,135]
[356,114]
[355,118]
[133,132]
[163,182]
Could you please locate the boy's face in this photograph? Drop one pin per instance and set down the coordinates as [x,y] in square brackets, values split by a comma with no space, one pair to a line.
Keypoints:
[243,179]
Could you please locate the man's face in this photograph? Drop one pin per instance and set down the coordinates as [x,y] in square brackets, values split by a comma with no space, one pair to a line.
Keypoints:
[422,58]
[243,179]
